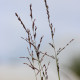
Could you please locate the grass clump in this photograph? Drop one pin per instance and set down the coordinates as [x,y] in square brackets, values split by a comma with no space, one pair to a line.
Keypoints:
[37,56]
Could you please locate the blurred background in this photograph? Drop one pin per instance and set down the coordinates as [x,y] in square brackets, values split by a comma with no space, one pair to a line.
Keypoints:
[65,16]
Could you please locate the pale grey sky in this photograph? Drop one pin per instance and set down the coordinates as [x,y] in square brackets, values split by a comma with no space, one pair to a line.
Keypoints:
[65,16]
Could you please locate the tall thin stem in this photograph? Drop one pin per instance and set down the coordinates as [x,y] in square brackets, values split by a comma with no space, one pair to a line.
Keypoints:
[57,64]
[52,36]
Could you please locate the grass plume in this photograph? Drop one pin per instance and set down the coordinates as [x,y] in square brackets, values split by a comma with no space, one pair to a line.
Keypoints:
[35,55]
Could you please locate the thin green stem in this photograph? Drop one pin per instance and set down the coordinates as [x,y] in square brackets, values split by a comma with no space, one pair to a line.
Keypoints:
[35,72]
[57,65]
[35,75]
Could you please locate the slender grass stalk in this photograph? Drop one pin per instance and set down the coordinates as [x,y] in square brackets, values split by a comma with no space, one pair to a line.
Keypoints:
[34,33]
[57,64]
[52,36]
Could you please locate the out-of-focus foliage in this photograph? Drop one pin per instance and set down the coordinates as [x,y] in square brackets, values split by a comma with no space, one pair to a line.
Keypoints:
[75,66]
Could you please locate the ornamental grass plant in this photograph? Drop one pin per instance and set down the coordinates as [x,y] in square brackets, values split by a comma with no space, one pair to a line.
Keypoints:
[36,56]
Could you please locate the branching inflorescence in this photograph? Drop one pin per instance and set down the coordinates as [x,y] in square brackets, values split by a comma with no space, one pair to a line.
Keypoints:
[35,55]
[34,49]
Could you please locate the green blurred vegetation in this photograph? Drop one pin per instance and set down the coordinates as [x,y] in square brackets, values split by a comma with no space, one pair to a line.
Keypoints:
[75,66]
